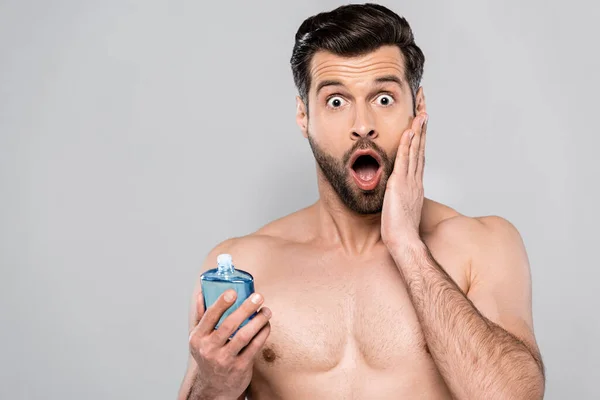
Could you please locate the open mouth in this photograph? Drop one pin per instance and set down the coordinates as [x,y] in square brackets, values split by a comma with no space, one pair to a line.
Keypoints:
[366,169]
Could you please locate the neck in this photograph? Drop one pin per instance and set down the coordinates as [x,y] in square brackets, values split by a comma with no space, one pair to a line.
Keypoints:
[339,226]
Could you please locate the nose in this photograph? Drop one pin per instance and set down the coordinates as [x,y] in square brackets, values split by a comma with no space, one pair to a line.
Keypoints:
[364,124]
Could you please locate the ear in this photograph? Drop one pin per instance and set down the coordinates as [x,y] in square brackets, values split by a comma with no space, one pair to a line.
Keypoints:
[302,116]
[420,105]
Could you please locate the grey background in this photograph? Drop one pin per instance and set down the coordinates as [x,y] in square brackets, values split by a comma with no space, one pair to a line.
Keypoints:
[134,136]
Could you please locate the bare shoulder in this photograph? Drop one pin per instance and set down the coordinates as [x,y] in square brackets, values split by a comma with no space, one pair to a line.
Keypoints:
[481,235]
[298,227]
[486,245]
[258,249]
[491,250]
[445,224]
[249,251]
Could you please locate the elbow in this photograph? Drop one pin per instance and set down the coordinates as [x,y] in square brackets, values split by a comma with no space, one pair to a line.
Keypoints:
[531,385]
[532,379]
[534,393]
[524,381]
[539,380]
[539,387]
[523,390]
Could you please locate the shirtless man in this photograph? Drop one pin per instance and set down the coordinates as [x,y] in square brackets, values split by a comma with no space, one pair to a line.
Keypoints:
[373,292]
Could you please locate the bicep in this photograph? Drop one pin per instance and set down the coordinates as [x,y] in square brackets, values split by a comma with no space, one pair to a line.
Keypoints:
[501,279]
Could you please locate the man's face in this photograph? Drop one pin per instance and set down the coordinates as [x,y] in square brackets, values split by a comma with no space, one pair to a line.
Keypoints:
[358,109]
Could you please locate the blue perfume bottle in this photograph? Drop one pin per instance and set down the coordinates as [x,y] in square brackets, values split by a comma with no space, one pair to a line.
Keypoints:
[217,280]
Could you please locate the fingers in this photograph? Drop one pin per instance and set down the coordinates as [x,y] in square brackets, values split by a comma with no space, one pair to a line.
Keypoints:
[401,163]
[421,156]
[214,313]
[245,335]
[235,319]
[411,150]
[248,353]
[199,307]
[415,145]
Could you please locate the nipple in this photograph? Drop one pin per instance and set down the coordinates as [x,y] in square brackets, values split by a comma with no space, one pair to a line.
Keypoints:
[269,355]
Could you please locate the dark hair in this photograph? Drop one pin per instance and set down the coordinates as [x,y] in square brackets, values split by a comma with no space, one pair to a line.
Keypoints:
[353,30]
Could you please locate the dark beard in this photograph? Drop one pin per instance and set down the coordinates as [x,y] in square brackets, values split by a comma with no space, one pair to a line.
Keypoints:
[338,175]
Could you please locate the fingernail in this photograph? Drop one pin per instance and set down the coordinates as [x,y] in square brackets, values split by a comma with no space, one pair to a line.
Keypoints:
[229,296]
[267,312]
[255,298]
[412,134]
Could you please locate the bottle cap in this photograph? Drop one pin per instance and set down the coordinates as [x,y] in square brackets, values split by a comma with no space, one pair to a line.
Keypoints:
[224,259]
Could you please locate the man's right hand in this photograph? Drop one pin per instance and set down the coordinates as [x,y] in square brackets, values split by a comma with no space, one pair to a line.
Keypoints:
[224,365]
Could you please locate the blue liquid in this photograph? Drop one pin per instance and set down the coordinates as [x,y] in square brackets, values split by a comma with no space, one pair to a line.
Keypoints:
[216,281]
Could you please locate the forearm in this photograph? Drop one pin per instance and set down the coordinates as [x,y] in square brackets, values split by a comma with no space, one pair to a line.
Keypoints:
[477,358]
[195,391]
[191,389]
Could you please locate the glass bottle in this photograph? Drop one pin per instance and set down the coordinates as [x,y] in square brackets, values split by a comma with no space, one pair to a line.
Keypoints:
[217,280]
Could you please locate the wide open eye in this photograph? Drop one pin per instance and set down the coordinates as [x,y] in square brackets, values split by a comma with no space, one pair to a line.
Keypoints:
[335,102]
[385,100]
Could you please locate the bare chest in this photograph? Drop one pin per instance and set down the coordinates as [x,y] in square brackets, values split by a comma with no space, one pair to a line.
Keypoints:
[330,311]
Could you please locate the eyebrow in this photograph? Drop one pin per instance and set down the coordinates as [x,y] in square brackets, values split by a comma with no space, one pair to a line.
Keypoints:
[389,78]
[328,82]
[382,79]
